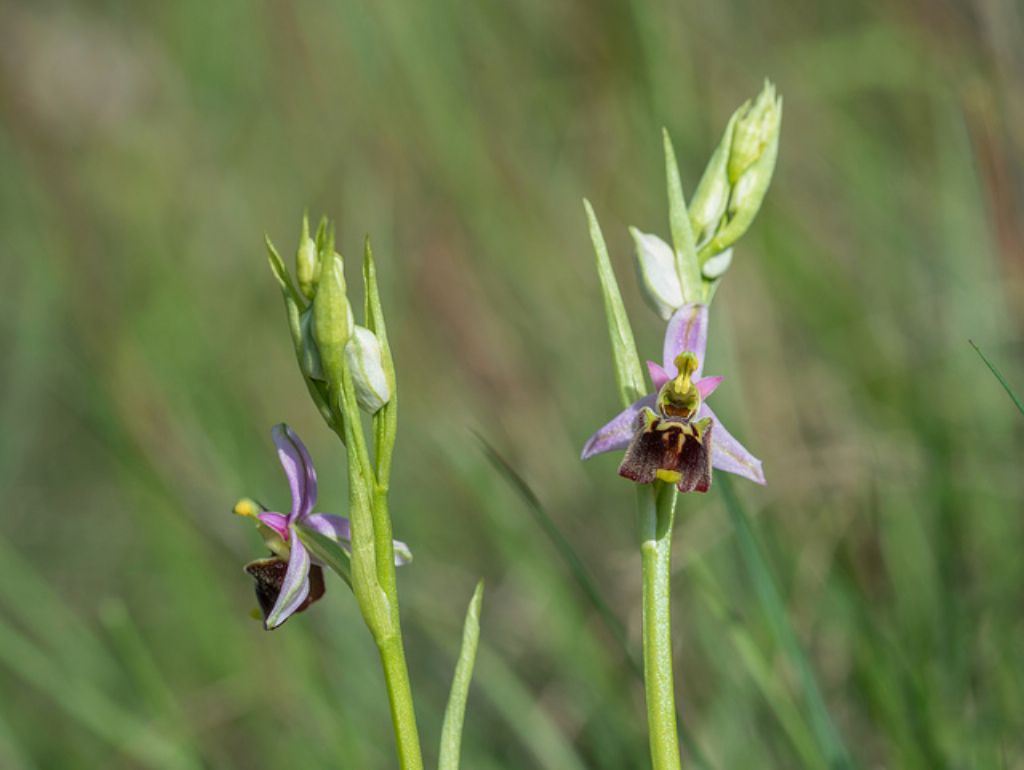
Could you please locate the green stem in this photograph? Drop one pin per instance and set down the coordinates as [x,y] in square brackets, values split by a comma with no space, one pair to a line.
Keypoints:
[373,571]
[403,714]
[656,507]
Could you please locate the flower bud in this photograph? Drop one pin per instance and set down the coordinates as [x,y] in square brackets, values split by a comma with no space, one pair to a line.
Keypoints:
[757,128]
[365,361]
[712,194]
[307,262]
[755,146]
[747,196]
[659,278]
[309,354]
[715,267]
[331,325]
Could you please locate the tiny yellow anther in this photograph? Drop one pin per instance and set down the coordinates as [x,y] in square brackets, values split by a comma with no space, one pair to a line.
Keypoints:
[247,507]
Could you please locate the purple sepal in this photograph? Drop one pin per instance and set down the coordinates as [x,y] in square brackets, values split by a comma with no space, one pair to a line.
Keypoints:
[295,587]
[728,454]
[338,528]
[298,467]
[619,431]
[687,331]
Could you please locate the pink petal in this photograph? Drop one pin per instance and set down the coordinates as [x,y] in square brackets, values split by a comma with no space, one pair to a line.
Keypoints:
[708,385]
[687,331]
[276,521]
[619,432]
[658,375]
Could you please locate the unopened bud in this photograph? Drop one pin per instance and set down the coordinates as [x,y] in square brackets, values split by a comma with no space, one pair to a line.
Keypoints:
[331,326]
[307,262]
[715,267]
[659,275]
[309,353]
[712,194]
[756,130]
[366,363]
[755,146]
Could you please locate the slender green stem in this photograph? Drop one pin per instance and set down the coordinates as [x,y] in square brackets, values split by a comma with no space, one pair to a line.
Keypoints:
[392,649]
[373,571]
[403,714]
[656,507]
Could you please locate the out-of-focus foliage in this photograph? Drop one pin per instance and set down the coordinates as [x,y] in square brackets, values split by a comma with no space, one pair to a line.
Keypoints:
[144,354]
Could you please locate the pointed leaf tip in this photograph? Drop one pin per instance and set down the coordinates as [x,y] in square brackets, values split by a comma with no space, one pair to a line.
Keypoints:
[455,711]
[679,224]
[628,372]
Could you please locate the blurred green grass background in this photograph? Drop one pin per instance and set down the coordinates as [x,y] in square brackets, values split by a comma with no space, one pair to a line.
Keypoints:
[146,147]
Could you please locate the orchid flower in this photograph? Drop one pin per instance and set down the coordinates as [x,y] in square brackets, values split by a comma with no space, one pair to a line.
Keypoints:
[668,433]
[291,579]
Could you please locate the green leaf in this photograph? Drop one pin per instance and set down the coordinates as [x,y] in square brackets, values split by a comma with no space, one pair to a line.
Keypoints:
[628,373]
[455,711]
[767,591]
[280,272]
[999,376]
[385,421]
[328,551]
[682,233]
[565,550]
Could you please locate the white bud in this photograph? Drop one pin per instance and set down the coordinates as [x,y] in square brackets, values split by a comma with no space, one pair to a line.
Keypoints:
[716,266]
[656,263]
[363,355]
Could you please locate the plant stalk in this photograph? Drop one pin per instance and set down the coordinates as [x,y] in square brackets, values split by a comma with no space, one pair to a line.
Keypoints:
[403,714]
[392,648]
[656,507]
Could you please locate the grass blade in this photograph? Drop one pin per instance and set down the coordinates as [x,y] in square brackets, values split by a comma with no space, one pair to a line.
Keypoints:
[767,590]
[999,376]
[103,716]
[455,711]
[565,551]
[587,585]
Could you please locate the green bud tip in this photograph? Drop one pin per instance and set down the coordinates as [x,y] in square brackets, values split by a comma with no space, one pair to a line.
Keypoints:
[331,324]
[756,128]
[307,262]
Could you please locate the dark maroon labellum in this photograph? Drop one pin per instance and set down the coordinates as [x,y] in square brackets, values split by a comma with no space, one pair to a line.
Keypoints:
[269,575]
[670,449]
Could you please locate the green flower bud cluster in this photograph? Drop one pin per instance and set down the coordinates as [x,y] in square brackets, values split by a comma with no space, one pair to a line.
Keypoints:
[329,346]
[736,179]
[723,206]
